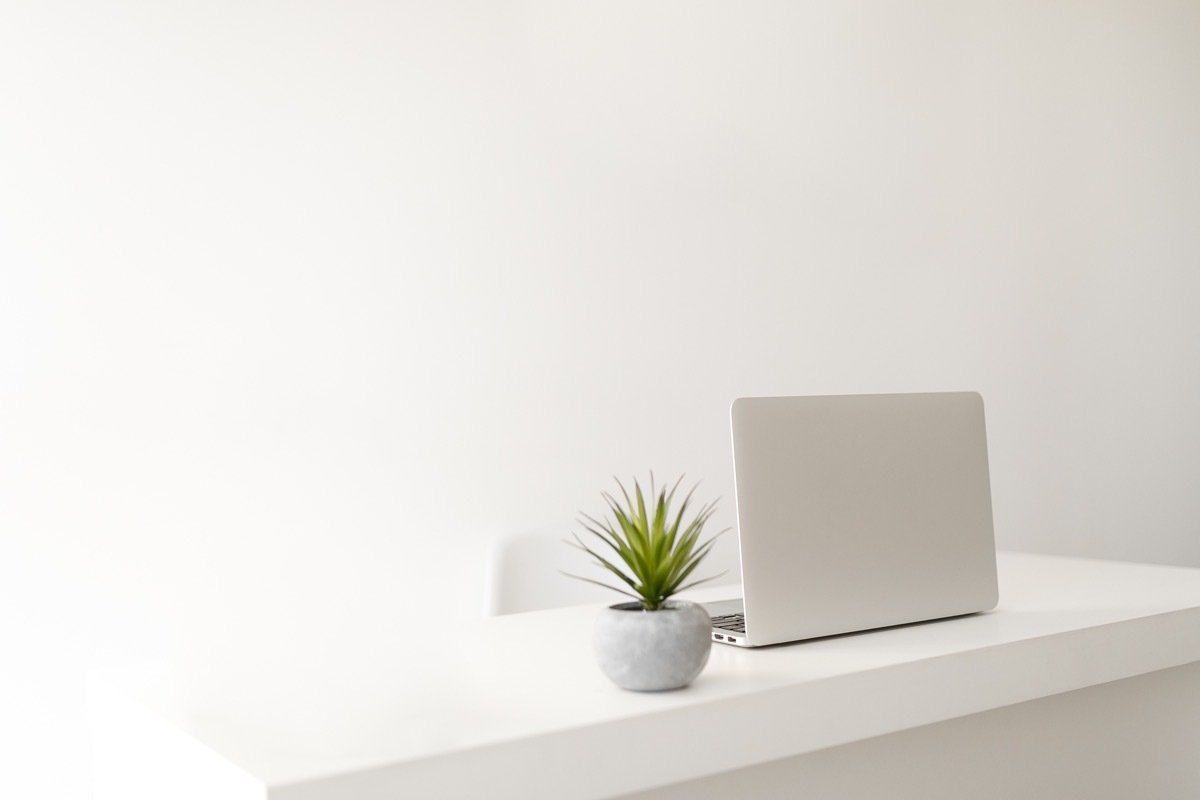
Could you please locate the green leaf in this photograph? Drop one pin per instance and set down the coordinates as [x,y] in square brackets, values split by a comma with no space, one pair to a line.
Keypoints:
[659,549]
[601,583]
[610,567]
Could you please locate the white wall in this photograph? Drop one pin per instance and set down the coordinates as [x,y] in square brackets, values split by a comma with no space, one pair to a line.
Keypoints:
[304,304]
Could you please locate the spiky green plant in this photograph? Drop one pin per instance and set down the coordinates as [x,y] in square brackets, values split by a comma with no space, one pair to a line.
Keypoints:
[658,549]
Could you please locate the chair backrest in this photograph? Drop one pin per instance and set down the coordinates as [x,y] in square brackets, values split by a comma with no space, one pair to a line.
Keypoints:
[525,574]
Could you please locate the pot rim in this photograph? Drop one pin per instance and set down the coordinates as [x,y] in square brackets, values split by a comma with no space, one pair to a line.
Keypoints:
[636,605]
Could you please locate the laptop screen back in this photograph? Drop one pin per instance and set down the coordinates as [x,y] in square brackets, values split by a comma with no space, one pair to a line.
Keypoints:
[861,511]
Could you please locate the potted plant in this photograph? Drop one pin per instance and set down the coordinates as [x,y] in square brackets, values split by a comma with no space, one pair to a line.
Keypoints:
[652,643]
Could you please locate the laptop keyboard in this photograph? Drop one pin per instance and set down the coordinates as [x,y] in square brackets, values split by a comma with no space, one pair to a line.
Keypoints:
[735,623]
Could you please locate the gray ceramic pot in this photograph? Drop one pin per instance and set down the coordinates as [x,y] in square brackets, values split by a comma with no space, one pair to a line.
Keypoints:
[652,651]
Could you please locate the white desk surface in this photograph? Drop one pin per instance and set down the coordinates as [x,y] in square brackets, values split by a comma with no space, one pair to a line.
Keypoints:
[516,703]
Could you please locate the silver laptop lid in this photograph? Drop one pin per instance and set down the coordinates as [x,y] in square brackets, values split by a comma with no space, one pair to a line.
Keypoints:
[861,511]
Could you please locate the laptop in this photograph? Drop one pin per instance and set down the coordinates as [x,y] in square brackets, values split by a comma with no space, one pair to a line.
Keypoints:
[858,512]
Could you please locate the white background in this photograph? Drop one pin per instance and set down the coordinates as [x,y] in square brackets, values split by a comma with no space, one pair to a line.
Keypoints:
[303,305]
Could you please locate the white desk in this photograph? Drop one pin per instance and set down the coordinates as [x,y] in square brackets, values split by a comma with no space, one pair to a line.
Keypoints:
[996,704]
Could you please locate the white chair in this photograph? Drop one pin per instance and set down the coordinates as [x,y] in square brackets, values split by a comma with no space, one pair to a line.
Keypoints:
[525,574]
